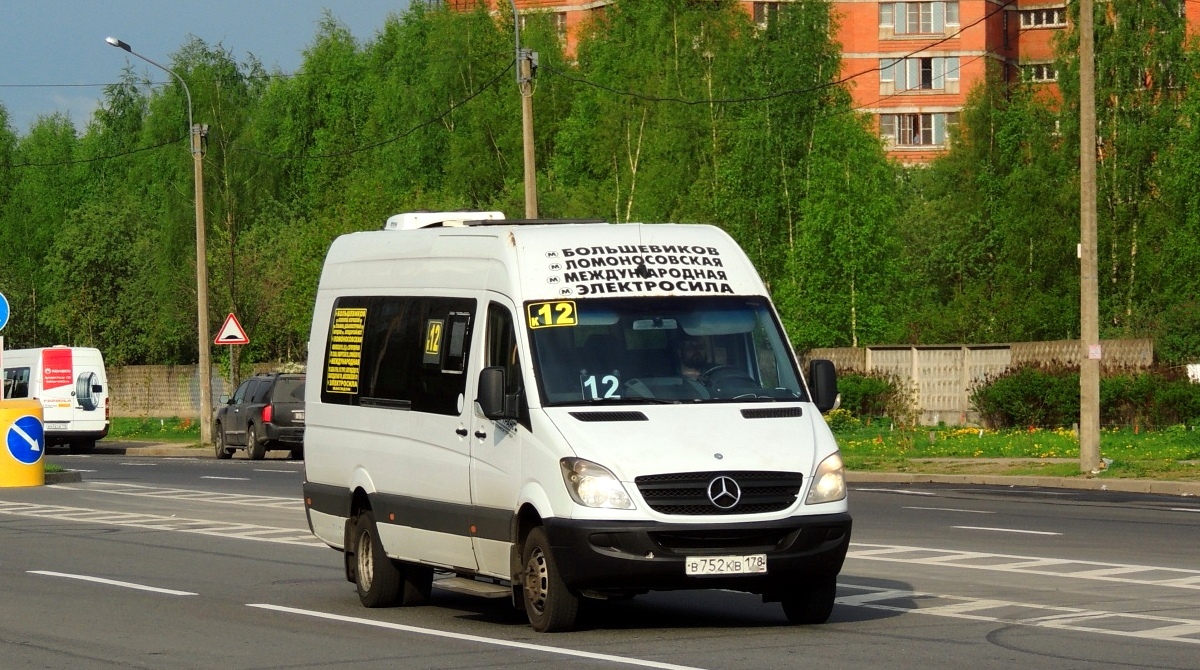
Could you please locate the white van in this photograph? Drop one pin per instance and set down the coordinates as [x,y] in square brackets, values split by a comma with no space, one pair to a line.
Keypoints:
[555,411]
[73,387]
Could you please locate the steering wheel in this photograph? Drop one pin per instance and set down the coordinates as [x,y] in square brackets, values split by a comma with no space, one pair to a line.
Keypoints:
[726,381]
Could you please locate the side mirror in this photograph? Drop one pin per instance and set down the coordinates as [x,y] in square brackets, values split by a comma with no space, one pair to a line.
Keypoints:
[822,382]
[224,399]
[491,398]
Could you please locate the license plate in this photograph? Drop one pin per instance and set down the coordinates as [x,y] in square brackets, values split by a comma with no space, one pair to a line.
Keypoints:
[55,425]
[298,416]
[725,565]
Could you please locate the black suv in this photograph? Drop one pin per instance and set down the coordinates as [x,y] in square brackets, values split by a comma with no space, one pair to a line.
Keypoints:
[266,412]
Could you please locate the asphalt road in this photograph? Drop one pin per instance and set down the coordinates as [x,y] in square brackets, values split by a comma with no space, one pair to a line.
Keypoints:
[182,563]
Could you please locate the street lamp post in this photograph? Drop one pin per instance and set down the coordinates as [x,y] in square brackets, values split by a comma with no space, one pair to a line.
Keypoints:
[197,148]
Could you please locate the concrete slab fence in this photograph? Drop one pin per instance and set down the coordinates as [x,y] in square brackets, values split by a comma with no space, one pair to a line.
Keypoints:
[942,376]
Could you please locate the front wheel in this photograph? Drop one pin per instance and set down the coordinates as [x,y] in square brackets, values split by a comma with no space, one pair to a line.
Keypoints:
[812,603]
[254,449]
[550,606]
[375,575]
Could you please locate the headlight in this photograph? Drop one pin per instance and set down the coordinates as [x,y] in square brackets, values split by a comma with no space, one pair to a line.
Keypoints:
[593,485]
[829,483]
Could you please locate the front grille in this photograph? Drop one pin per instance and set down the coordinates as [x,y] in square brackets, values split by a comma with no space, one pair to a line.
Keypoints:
[687,493]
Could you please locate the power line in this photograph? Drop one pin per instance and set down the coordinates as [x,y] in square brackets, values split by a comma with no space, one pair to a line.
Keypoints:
[95,159]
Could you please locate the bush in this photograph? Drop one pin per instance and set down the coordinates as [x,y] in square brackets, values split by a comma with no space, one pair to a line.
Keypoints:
[876,395]
[1044,397]
[1049,398]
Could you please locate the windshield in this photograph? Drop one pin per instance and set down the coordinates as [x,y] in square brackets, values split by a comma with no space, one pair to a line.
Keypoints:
[669,349]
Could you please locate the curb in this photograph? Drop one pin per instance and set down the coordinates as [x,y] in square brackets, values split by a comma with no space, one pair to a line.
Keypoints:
[1155,486]
[68,477]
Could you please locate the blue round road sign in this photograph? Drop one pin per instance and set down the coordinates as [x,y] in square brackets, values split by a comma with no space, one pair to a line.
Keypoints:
[26,440]
[3,311]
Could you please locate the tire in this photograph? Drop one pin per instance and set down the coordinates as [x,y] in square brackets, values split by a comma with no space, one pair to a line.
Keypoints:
[255,450]
[375,575]
[222,452]
[812,603]
[81,446]
[551,607]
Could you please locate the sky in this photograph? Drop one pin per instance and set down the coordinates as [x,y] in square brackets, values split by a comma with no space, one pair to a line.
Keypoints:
[53,57]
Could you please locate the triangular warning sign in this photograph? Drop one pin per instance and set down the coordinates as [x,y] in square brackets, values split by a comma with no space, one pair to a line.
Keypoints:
[231,332]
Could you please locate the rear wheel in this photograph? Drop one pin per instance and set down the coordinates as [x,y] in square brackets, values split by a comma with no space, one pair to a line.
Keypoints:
[255,450]
[219,443]
[550,605]
[811,603]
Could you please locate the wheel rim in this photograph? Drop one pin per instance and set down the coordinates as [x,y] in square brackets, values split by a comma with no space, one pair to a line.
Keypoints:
[537,580]
[366,571]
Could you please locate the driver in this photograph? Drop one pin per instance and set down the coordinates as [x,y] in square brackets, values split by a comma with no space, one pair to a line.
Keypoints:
[692,357]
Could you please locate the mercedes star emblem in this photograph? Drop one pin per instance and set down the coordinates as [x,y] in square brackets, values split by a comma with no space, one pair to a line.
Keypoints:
[724,492]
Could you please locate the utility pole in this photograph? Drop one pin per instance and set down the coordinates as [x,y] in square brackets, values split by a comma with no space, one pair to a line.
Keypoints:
[1089,309]
[198,134]
[526,60]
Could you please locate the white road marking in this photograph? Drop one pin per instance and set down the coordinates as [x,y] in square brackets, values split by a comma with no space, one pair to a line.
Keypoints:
[951,509]
[141,465]
[1122,624]
[248,500]
[1185,509]
[232,479]
[1007,530]
[113,582]
[904,491]
[1029,565]
[237,531]
[287,472]
[525,646]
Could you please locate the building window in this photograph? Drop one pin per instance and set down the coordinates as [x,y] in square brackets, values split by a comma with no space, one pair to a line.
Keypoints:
[917,18]
[916,130]
[1040,72]
[897,75]
[1053,17]
[765,12]
[557,19]
[560,25]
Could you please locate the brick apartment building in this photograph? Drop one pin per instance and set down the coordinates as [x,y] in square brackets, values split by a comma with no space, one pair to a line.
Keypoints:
[910,64]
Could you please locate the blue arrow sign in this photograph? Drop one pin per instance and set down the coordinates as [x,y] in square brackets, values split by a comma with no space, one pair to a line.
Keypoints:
[26,441]
[3,311]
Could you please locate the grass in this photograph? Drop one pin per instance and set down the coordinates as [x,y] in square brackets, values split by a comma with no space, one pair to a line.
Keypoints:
[173,430]
[1172,454]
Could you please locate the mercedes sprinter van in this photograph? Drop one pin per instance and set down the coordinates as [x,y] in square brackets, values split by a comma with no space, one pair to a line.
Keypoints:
[557,411]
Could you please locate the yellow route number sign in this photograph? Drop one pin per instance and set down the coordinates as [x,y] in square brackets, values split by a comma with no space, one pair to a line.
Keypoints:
[548,314]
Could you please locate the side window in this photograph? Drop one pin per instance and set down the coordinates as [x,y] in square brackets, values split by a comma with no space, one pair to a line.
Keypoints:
[16,382]
[502,347]
[261,391]
[239,396]
[399,352]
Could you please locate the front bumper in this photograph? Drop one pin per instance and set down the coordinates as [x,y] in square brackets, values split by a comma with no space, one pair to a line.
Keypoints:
[645,556]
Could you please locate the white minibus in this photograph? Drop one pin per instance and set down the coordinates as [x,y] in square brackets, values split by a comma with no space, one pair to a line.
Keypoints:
[557,411]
